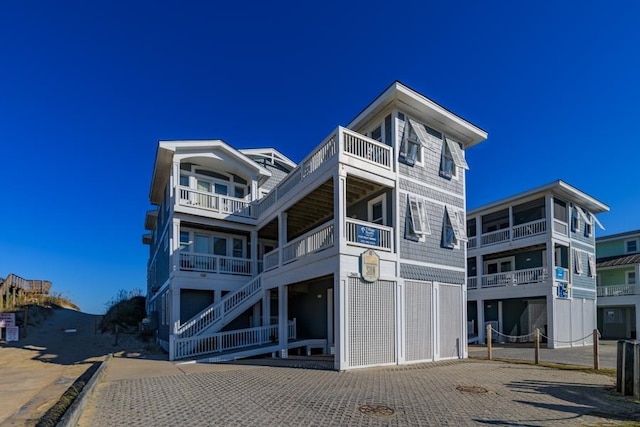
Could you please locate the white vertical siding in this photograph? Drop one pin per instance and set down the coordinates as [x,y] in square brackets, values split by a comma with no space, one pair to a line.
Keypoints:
[450,301]
[372,322]
[418,328]
[562,322]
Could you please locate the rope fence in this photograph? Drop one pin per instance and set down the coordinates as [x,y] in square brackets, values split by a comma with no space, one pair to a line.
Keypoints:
[536,334]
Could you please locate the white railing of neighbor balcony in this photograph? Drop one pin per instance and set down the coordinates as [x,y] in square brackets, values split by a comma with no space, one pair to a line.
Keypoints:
[616,290]
[472,242]
[214,202]
[528,229]
[517,277]
[472,282]
[214,264]
[495,237]
[370,235]
[231,340]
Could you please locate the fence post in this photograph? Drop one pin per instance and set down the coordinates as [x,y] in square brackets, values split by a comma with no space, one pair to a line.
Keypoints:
[489,352]
[596,350]
[536,335]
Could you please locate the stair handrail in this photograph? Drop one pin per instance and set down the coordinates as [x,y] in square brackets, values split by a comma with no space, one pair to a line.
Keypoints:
[216,311]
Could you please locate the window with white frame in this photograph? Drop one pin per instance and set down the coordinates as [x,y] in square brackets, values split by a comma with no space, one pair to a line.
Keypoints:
[592,265]
[586,218]
[577,262]
[377,210]
[631,246]
[419,226]
[631,277]
[575,220]
[411,147]
[454,227]
[452,158]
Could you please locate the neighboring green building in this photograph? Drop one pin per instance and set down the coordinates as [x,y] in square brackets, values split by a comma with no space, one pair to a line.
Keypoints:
[618,266]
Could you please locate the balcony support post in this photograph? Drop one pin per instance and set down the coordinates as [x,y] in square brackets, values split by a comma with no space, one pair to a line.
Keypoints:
[254,252]
[480,319]
[283,321]
[282,235]
[266,308]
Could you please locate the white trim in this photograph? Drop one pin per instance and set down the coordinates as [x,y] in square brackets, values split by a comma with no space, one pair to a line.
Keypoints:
[432,265]
[381,198]
[626,277]
[431,187]
[418,215]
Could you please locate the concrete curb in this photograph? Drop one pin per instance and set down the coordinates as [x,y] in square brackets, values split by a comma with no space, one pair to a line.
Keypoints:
[73,414]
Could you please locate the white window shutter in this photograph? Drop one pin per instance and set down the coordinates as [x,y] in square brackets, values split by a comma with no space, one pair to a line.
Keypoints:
[456,218]
[592,265]
[421,133]
[414,210]
[577,261]
[424,218]
[456,153]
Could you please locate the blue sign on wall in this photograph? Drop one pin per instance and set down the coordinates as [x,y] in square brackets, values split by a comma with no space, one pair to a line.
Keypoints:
[367,235]
[563,291]
[560,273]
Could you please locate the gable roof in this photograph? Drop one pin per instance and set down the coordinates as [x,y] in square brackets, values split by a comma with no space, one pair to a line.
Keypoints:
[167,149]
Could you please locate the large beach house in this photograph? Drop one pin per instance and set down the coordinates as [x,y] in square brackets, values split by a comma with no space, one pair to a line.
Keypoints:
[531,265]
[358,251]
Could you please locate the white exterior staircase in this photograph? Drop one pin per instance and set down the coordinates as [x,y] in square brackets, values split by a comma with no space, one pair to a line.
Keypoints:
[218,314]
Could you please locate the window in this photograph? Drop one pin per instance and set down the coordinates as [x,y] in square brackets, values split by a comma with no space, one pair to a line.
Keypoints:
[184,240]
[592,265]
[577,262]
[377,133]
[631,277]
[632,246]
[454,229]
[184,180]
[411,146]
[575,220]
[586,217]
[238,248]
[452,158]
[377,209]
[418,220]
[220,246]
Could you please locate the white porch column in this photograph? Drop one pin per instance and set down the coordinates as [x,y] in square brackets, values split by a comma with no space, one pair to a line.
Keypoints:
[254,252]
[283,321]
[174,180]
[173,294]
[266,307]
[254,188]
[341,361]
[174,246]
[257,315]
[339,208]
[329,320]
[551,324]
[482,334]
[282,234]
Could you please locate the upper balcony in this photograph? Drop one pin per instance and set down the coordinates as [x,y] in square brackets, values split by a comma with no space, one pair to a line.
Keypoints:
[342,146]
[617,290]
[517,223]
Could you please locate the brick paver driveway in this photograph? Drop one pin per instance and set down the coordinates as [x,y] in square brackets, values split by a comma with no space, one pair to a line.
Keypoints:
[467,392]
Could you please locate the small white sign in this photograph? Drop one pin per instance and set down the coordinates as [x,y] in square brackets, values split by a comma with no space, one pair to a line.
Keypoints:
[13,333]
[7,320]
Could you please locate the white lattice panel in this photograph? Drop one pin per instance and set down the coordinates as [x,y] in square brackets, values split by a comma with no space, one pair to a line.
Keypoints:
[589,319]
[577,325]
[450,321]
[537,315]
[372,322]
[562,322]
[418,329]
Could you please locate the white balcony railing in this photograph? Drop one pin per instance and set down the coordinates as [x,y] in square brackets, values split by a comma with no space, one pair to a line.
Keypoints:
[495,237]
[472,282]
[530,229]
[318,239]
[616,290]
[214,264]
[342,141]
[231,340]
[214,202]
[370,235]
[472,242]
[271,259]
[517,277]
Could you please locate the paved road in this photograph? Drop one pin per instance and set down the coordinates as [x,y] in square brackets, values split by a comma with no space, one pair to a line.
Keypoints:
[137,392]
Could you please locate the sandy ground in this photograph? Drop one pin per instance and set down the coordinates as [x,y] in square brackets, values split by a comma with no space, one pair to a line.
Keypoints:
[36,371]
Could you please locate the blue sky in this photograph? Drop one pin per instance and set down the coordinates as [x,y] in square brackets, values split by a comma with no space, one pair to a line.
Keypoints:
[88,88]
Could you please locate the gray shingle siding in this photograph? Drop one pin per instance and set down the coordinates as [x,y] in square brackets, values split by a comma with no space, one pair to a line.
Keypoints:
[581,293]
[431,250]
[276,176]
[418,272]
[430,193]
[429,170]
